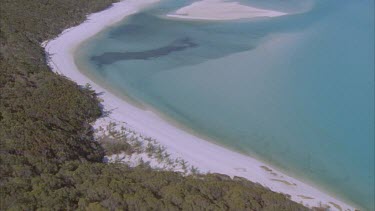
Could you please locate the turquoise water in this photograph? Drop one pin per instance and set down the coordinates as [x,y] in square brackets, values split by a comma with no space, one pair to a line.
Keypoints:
[296,91]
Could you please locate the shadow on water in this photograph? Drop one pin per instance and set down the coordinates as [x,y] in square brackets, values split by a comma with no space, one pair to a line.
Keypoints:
[112,57]
[211,40]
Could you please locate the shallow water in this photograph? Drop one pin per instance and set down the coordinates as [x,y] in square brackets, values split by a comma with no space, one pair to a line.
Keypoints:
[296,91]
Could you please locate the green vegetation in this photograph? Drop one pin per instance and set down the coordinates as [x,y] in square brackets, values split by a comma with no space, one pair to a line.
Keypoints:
[48,157]
[124,145]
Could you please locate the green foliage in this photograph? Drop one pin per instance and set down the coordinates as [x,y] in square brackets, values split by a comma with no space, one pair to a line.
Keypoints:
[44,118]
[48,159]
[101,186]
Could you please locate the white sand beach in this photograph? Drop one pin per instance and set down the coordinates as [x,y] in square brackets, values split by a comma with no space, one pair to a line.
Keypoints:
[221,10]
[208,157]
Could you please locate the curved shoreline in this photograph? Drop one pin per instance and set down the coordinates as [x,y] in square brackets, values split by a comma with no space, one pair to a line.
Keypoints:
[208,157]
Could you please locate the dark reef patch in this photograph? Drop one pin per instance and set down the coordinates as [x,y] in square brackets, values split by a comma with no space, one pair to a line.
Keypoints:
[112,57]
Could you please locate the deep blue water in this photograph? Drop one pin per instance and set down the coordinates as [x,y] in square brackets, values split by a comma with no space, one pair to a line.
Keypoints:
[296,91]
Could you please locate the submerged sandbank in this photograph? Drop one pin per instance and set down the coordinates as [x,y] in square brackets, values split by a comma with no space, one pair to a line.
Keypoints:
[208,157]
[221,10]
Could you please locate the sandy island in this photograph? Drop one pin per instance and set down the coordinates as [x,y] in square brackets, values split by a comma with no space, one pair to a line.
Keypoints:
[221,10]
[208,157]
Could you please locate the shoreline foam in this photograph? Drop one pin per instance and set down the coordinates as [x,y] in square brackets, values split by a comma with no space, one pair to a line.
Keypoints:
[208,157]
[221,10]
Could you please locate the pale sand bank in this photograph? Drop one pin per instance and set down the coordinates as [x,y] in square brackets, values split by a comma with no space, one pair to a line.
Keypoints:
[208,157]
[221,10]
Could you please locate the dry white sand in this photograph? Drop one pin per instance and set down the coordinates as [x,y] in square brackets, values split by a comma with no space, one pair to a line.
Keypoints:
[221,10]
[207,156]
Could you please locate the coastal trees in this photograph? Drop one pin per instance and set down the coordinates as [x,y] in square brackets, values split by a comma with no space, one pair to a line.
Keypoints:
[115,186]
[44,118]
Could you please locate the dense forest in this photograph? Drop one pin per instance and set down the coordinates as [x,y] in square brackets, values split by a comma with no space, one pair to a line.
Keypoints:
[48,157]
